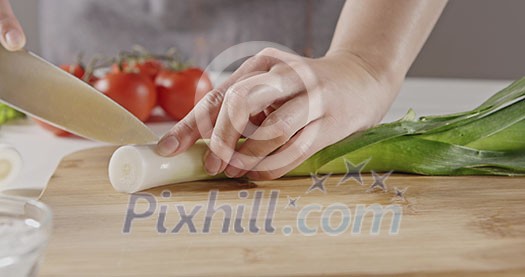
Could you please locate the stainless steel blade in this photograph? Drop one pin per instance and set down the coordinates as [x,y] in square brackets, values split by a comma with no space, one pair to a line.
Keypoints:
[34,86]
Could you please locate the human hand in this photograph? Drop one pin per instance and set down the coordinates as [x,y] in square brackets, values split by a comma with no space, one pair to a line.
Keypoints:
[300,105]
[12,36]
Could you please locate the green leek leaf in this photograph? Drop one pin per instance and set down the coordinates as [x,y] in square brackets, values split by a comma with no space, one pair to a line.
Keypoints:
[488,140]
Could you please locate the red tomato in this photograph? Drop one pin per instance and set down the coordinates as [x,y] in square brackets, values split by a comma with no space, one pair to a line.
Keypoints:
[56,131]
[149,68]
[93,80]
[133,91]
[178,91]
[74,69]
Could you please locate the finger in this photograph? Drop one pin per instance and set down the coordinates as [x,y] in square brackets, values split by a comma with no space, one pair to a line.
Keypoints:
[12,35]
[281,125]
[257,64]
[224,135]
[301,146]
[258,118]
[256,97]
[304,144]
[199,122]
[271,89]
[243,100]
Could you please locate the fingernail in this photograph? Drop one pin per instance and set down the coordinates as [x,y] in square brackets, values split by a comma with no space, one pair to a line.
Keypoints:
[14,39]
[167,145]
[231,172]
[234,169]
[212,164]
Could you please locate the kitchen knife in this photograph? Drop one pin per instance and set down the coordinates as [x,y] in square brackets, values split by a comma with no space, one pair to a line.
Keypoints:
[36,87]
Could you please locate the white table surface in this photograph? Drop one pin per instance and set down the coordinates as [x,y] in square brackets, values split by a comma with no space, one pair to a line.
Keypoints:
[41,151]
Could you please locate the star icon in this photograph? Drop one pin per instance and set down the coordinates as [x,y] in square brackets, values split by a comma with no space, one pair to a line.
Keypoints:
[318,183]
[353,172]
[379,182]
[292,202]
[399,195]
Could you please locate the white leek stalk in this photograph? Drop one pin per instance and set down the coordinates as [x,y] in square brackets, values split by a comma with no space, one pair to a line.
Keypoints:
[135,168]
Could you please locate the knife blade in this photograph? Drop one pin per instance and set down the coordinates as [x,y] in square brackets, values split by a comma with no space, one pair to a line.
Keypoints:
[36,87]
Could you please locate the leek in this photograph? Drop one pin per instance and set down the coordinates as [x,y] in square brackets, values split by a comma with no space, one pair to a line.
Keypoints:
[488,140]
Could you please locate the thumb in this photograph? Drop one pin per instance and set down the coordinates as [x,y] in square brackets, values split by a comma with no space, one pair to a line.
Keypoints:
[12,36]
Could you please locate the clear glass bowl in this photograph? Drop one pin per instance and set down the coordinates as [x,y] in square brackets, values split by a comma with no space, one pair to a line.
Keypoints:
[25,227]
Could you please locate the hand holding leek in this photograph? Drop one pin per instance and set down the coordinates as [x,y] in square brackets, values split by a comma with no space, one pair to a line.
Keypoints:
[487,140]
[300,105]
[325,107]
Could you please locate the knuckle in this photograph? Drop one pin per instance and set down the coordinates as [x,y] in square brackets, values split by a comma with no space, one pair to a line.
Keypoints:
[292,71]
[255,61]
[280,69]
[299,66]
[296,67]
[237,95]
[269,51]
[294,64]
[214,98]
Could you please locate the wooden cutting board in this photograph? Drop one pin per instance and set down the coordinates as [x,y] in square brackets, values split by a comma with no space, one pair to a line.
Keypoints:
[449,226]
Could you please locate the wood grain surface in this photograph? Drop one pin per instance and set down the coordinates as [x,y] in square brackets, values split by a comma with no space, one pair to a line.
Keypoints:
[450,226]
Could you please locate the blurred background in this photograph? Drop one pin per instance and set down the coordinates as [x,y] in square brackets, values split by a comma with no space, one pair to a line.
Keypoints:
[473,39]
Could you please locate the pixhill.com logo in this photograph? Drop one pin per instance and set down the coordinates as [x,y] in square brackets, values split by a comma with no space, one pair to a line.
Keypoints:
[258,211]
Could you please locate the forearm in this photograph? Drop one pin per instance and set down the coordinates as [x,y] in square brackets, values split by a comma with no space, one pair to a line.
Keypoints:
[386,35]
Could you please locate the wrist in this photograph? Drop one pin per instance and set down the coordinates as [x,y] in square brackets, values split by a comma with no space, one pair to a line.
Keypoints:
[382,69]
